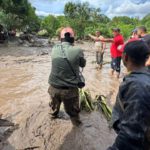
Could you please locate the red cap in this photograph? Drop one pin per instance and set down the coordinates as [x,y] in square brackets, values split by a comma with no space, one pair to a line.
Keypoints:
[66,30]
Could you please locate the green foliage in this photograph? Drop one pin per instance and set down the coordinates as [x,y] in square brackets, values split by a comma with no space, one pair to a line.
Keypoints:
[70,10]
[124,20]
[51,24]
[126,29]
[146,21]
[19,14]
[126,24]
[32,21]
[146,18]
[147,24]
[77,14]
[9,21]
[84,19]
[104,29]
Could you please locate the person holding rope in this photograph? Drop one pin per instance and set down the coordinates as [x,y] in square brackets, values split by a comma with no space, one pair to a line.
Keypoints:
[65,77]
[99,47]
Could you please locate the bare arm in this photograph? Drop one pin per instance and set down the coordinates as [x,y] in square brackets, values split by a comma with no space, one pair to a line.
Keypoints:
[109,40]
[94,37]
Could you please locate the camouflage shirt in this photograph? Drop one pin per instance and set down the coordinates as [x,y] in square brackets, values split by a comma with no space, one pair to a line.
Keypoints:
[131,113]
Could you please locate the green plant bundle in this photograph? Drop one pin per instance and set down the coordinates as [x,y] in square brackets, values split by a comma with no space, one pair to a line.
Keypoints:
[101,105]
[86,103]
[98,104]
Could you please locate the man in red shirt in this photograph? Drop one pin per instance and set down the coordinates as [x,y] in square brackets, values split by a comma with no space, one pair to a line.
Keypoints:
[115,50]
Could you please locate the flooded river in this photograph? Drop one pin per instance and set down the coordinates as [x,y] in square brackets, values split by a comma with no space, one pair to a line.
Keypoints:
[24,75]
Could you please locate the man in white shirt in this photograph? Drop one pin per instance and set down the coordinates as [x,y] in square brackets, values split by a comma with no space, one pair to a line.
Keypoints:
[99,47]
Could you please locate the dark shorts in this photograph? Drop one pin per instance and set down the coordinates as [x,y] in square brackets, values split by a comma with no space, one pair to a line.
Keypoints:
[69,97]
[116,63]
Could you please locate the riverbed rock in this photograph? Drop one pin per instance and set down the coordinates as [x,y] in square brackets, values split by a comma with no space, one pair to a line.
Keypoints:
[6,129]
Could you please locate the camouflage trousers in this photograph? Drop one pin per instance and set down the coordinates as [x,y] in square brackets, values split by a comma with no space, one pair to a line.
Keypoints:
[69,97]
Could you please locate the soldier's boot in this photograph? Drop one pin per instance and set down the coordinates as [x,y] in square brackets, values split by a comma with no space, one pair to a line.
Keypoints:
[55,109]
[76,121]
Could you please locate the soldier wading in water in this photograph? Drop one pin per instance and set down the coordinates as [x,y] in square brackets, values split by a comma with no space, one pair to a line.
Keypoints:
[65,77]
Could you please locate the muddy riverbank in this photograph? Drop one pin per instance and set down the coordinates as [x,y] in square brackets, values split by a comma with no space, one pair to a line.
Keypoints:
[24,100]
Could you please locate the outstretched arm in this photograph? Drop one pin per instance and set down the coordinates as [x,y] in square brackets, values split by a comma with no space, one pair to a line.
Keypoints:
[102,39]
[94,37]
[108,40]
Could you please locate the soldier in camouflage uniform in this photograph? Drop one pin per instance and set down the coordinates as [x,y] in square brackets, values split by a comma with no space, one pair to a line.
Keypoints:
[63,81]
[131,113]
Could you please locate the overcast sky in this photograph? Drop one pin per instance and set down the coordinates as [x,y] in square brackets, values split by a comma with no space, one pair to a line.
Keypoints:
[111,8]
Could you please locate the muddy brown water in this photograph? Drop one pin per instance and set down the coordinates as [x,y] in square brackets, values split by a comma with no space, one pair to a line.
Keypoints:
[24,100]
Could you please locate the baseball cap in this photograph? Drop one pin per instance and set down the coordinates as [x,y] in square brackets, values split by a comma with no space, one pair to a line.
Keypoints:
[67,30]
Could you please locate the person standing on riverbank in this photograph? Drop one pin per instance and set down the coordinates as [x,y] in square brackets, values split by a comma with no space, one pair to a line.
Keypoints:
[99,47]
[65,76]
[142,33]
[115,50]
[131,113]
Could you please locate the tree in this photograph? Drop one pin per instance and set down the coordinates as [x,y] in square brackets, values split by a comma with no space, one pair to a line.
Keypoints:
[20,14]
[8,20]
[146,21]
[80,15]
[51,24]
[97,17]
[125,20]
[32,21]
[63,21]
[146,18]
[70,10]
